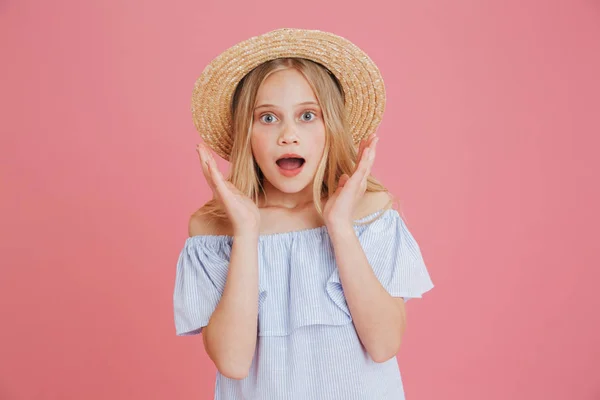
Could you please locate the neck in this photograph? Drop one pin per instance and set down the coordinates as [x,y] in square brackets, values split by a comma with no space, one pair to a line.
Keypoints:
[278,199]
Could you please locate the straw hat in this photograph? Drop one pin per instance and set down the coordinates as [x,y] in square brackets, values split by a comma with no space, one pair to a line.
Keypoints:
[361,81]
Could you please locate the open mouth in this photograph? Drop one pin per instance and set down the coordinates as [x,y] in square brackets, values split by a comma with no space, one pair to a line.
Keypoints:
[290,165]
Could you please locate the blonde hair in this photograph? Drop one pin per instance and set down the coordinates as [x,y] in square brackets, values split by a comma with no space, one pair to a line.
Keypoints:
[339,156]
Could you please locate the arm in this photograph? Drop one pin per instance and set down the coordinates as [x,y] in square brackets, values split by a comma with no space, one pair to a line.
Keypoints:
[379,318]
[231,333]
[230,336]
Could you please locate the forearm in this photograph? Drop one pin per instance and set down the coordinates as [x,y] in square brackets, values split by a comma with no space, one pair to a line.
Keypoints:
[230,337]
[378,317]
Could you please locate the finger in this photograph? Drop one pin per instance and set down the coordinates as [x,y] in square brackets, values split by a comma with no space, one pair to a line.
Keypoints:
[204,164]
[368,143]
[364,161]
[371,158]
[363,143]
[226,190]
[367,160]
[360,168]
[373,150]
[341,183]
[370,139]
[201,156]
[343,179]
[361,147]
[373,139]
[216,176]
[363,168]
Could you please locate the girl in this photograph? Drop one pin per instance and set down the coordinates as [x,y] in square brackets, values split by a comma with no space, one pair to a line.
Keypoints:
[296,272]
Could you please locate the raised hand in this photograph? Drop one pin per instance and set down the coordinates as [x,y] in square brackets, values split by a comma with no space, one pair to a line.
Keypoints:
[339,208]
[241,210]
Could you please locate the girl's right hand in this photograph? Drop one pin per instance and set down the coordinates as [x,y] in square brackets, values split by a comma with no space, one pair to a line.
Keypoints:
[241,210]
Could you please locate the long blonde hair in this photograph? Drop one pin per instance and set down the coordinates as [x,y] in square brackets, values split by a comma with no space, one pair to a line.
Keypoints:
[339,156]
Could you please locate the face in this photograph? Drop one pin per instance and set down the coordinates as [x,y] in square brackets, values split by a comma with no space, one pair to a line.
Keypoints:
[288,133]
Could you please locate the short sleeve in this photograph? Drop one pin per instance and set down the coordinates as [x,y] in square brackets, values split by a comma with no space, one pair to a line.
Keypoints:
[200,278]
[395,256]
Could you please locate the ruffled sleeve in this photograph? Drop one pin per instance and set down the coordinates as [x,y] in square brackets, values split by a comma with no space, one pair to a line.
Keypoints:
[199,282]
[395,256]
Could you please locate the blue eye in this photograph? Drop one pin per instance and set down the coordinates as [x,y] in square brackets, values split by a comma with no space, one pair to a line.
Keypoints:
[267,115]
[309,112]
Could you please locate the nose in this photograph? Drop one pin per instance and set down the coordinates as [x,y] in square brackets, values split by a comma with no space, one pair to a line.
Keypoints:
[288,135]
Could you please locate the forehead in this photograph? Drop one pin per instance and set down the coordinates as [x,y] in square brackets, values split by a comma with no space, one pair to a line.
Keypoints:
[284,87]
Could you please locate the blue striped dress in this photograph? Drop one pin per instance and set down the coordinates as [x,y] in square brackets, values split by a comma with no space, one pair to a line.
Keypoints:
[307,345]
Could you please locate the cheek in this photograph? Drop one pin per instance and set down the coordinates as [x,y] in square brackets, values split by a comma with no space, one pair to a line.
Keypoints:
[318,141]
[260,146]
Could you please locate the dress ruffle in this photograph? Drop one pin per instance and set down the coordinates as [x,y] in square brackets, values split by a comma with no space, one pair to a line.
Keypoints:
[299,283]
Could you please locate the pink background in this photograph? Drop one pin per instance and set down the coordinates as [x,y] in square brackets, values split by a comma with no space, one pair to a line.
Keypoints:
[490,138]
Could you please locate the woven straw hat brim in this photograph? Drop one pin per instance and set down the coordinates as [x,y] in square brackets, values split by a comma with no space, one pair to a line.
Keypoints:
[361,81]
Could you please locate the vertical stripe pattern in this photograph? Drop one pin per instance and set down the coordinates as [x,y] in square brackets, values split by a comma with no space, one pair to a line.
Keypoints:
[307,345]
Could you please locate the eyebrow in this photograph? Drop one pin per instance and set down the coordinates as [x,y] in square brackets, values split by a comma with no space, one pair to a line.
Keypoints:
[299,104]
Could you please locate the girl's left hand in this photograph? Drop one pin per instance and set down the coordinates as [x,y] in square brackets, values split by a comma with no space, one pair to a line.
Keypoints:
[339,208]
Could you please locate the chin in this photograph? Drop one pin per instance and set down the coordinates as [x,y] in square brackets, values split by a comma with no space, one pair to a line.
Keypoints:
[290,187]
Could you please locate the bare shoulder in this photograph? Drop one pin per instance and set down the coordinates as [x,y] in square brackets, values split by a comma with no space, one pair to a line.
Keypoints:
[204,224]
[372,202]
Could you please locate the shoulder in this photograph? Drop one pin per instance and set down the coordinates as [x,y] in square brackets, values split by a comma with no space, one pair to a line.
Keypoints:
[372,202]
[201,223]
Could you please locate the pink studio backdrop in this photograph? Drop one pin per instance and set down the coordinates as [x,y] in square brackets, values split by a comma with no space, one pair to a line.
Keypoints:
[490,139]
